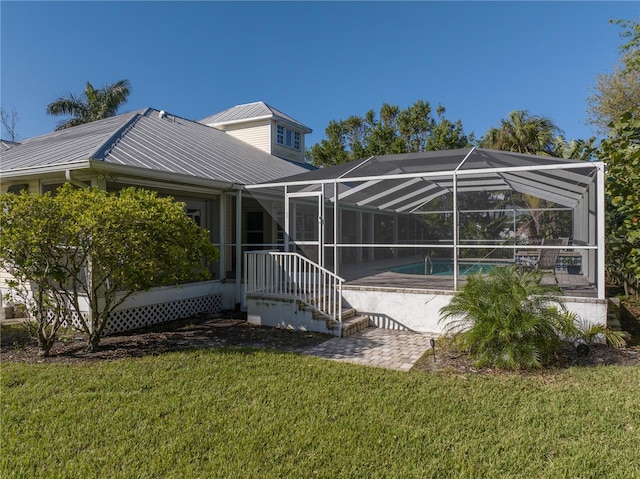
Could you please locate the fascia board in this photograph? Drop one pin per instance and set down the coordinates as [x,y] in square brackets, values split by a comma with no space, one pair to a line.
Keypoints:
[107,168]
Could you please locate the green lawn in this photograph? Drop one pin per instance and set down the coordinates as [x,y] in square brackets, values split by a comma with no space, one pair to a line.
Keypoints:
[256,414]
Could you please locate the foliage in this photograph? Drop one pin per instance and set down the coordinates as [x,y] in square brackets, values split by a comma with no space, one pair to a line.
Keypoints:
[92,105]
[574,149]
[594,333]
[257,413]
[619,91]
[536,135]
[36,264]
[522,133]
[395,131]
[87,243]
[507,318]
[621,152]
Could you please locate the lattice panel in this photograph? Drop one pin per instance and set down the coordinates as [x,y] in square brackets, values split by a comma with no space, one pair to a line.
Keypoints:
[134,318]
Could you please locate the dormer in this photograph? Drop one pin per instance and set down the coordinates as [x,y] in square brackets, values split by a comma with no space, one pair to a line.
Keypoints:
[264,127]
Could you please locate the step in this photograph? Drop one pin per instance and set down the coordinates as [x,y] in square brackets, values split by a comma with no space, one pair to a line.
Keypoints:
[352,325]
[346,313]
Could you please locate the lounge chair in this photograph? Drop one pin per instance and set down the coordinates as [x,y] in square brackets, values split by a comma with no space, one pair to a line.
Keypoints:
[547,258]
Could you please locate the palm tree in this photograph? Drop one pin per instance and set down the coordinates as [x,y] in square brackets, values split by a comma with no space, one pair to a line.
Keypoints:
[92,105]
[508,318]
[522,133]
[574,149]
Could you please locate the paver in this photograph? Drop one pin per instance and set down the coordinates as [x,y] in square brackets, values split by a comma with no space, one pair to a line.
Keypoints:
[378,347]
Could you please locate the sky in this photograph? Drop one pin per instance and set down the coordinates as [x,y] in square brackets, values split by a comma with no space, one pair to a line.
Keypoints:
[314,61]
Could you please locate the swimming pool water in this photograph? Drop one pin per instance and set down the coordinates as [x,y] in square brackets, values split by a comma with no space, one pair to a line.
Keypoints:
[445,268]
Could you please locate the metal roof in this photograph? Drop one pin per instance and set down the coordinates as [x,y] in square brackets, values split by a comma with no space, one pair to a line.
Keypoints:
[145,140]
[406,183]
[249,112]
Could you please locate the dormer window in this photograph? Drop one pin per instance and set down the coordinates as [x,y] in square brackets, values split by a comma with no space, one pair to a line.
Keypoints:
[288,137]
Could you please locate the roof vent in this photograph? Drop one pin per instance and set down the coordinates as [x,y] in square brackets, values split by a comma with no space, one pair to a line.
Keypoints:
[162,114]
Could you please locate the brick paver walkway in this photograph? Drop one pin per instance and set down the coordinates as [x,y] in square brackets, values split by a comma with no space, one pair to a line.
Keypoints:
[384,348]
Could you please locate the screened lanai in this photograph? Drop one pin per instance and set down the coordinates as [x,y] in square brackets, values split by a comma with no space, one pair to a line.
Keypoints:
[432,218]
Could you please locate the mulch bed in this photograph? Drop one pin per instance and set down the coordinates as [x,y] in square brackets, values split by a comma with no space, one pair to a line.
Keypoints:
[232,330]
[447,360]
[219,330]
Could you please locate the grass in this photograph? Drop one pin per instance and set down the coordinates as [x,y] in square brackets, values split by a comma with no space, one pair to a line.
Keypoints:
[254,413]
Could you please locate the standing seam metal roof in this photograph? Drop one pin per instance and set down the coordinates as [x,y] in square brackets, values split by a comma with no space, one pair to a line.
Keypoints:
[143,139]
[251,111]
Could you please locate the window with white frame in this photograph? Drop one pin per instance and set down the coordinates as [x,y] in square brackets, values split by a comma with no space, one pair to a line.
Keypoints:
[288,137]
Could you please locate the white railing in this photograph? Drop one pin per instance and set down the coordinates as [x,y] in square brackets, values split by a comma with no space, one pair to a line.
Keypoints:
[292,276]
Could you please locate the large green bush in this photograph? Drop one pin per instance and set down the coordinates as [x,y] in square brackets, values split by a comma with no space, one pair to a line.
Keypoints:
[621,152]
[88,244]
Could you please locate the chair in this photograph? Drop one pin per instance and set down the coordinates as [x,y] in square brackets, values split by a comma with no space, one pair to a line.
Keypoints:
[547,258]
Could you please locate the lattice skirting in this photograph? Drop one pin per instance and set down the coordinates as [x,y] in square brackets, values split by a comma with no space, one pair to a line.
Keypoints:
[134,318]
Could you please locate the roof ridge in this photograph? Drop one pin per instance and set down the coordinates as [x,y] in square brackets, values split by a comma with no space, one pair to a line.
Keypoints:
[109,144]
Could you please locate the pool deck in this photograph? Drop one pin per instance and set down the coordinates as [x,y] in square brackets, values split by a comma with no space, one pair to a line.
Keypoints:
[376,275]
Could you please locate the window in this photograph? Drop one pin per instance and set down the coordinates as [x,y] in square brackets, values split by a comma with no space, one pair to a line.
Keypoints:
[280,135]
[255,227]
[288,137]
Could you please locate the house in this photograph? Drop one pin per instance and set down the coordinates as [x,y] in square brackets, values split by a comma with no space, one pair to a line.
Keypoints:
[382,241]
[204,167]
[264,127]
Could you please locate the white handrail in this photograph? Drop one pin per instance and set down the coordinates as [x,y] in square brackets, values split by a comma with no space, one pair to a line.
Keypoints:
[291,275]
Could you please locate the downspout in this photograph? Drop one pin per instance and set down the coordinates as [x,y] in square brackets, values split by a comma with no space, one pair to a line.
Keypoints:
[238,266]
[73,181]
[600,222]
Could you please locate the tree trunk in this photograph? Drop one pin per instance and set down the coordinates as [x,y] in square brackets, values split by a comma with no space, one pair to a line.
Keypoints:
[94,342]
[44,344]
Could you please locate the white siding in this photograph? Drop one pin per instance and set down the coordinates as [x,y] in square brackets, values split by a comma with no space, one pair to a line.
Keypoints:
[285,152]
[257,134]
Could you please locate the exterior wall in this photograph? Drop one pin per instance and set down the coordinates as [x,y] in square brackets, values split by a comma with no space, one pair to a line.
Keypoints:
[256,133]
[420,310]
[284,313]
[285,152]
[168,303]
[33,185]
[262,135]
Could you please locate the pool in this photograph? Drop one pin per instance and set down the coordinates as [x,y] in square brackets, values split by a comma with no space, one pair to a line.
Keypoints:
[444,267]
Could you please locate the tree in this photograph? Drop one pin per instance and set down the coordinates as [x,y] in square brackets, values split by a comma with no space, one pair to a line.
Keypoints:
[621,152]
[522,133]
[395,131]
[619,91]
[574,149]
[35,264]
[9,121]
[92,105]
[100,246]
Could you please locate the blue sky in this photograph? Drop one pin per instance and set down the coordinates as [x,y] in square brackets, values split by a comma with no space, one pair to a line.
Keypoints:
[315,61]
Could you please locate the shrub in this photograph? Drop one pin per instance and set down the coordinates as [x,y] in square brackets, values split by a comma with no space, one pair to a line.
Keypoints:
[507,318]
